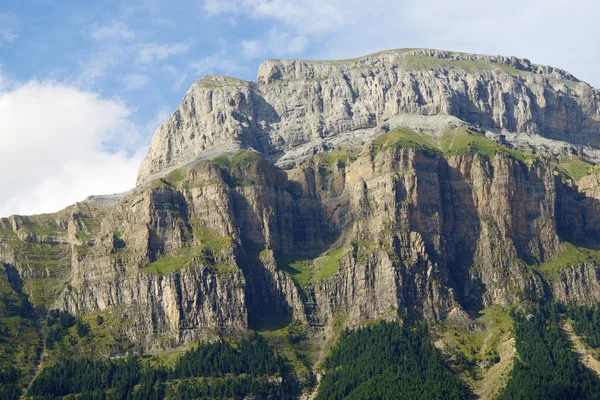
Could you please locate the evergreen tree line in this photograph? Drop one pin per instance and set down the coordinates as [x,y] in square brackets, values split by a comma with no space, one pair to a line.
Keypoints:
[586,323]
[13,304]
[58,324]
[388,361]
[546,367]
[9,380]
[211,370]
[253,357]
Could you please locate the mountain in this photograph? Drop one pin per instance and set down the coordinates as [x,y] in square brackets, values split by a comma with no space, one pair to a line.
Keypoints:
[405,185]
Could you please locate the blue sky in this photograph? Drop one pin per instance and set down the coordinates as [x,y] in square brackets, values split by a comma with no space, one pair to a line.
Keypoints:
[84,84]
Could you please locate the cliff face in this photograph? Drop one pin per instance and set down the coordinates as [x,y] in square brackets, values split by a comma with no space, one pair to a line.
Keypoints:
[298,107]
[228,245]
[357,220]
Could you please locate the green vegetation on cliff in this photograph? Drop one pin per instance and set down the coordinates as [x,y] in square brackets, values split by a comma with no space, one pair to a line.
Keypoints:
[569,254]
[451,143]
[586,324]
[423,61]
[546,367]
[406,138]
[387,361]
[19,340]
[306,271]
[576,169]
[206,249]
[249,367]
[464,141]
[471,352]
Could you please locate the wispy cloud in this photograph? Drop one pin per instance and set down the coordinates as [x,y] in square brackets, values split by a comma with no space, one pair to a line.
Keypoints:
[252,48]
[113,31]
[177,76]
[308,16]
[135,81]
[8,28]
[152,52]
[276,43]
[218,63]
[97,66]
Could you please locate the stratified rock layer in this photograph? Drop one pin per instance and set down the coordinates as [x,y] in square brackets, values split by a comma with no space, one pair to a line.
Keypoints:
[319,222]
[298,107]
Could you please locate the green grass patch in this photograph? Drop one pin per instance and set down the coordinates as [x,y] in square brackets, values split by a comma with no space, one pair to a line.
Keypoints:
[207,238]
[177,260]
[245,158]
[406,138]
[207,245]
[364,248]
[421,61]
[83,235]
[329,264]
[452,143]
[463,141]
[40,230]
[160,182]
[345,156]
[569,255]
[241,159]
[8,234]
[222,161]
[291,342]
[467,351]
[577,169]
[300,270]
[176,176]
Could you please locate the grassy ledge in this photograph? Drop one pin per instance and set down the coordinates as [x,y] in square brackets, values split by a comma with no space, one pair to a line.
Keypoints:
[406,138]
[464,141]
[577,169]
[570,255]
[209,243]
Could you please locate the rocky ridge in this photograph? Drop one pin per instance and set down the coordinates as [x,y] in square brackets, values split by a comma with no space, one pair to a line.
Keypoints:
[405,184]
[297,108]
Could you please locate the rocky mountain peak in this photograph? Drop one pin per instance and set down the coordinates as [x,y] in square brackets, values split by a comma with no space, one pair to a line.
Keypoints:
[298,108]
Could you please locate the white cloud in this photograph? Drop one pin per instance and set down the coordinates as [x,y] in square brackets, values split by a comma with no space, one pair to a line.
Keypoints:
[135,81]
[62,145]
[114,31]
[151,52]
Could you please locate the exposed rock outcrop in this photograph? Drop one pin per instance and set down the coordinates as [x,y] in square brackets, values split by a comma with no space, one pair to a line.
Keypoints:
[334,215]
[298,107]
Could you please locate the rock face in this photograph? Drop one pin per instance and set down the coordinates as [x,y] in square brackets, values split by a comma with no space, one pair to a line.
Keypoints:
[334,215]
[298,107]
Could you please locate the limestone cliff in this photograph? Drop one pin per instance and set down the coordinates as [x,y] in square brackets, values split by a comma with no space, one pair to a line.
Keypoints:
[298,107]
[330,193]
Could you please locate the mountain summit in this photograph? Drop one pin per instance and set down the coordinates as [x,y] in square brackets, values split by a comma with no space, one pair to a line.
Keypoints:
[298,108]
[433,188]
